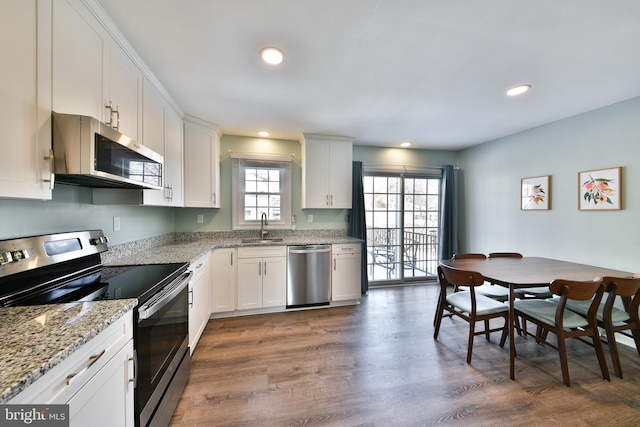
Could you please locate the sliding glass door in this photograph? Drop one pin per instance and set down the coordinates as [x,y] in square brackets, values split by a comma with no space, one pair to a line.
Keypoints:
[402,215]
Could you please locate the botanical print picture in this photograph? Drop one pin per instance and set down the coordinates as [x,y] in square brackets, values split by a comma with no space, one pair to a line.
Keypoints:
[599,189]
[535,194]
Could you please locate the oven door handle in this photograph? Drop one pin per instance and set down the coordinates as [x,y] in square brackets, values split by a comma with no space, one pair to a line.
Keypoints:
[153,306]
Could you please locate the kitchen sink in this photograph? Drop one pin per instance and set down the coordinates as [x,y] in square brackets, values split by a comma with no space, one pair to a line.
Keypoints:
[261,240]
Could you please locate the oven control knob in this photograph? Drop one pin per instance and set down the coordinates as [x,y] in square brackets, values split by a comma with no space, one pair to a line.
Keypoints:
[5,258]
[19,255]
[99,240]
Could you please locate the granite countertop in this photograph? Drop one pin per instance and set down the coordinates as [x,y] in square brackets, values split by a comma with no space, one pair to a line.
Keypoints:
[35,339]
[189,250]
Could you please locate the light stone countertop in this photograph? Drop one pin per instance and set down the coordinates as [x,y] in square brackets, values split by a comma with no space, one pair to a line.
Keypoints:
[34,339]
[180,251]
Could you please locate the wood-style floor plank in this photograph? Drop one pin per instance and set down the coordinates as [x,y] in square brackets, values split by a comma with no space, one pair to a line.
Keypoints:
[377,364]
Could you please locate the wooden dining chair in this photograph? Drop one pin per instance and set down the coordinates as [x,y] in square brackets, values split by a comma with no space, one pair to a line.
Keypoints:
[468,305]
[499,293]
[552,315]
[614,319]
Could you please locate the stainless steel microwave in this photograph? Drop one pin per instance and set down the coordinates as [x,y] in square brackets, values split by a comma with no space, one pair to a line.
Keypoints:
[90,153]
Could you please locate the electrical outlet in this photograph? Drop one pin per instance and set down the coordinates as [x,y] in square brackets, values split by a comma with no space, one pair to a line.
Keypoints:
[116,223]
[200,219]
[309,218]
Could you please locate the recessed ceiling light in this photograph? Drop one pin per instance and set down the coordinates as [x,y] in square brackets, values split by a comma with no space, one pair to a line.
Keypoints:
[272,55]
[405,144]
[518,90]
[263,133]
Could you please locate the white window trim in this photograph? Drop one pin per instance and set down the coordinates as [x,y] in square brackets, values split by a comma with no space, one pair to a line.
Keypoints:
[239,163]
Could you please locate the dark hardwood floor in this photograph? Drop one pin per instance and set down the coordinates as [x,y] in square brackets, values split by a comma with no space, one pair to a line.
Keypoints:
[377,364]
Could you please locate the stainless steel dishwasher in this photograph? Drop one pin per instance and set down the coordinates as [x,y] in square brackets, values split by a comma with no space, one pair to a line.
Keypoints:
[308,275]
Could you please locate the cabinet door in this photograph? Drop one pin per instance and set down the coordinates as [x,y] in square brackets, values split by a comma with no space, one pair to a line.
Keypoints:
[223,280]
[107,399]
[345,277]
[125,93]
[198,300]
[201,170]
[341,165]
[249,283]
[152,118]
[80,50]
[274,282]
[25,99]
[316,175]
[173,158]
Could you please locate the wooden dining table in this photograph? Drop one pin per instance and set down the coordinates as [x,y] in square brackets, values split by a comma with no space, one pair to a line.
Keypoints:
[528,272]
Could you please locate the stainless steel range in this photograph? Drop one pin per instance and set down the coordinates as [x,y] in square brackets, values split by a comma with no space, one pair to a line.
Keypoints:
[66,267]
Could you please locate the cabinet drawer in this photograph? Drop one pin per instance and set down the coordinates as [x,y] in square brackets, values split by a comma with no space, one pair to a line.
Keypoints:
[346,248]
[262,251]
[56,386]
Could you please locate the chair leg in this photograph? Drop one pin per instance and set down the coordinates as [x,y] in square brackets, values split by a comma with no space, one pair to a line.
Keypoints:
[562,350]
[505,332]
[600,353]
[470,345]
[636,338]
[437,321]
[486,329]
[613,350]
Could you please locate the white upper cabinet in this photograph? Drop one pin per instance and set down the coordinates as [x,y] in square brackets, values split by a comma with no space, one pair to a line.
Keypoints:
[326,171]
[201,164]
[25,99]
[80,51]
[125,94]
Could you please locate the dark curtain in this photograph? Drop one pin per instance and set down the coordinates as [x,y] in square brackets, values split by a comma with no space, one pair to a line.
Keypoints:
[357,225]
[449,225]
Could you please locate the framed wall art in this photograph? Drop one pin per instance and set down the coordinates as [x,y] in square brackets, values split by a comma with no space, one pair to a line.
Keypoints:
[535,193]
[599,189]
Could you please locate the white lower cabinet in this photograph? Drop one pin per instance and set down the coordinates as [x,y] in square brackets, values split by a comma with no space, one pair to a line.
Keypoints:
[96,381]
[262,277]
[198,299]
[345,272]
[223,280]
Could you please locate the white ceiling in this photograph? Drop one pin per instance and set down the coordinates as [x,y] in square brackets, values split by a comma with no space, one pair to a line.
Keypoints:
[432,72]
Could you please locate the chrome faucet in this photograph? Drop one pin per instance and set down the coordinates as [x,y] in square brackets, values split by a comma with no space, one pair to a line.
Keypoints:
[263,222]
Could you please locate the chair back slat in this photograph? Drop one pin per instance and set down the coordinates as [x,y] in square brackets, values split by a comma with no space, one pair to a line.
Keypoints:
[575,290]
[469,256]
[625,287]
[461,277]
[505,255]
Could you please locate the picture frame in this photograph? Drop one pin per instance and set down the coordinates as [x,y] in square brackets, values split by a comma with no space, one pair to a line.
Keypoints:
[535,193]
[599,189]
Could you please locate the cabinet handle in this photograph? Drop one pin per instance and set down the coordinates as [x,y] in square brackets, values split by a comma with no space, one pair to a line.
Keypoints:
[117,111]
[110,107]
[52,175]
[93,359]
[134,359]
[327,201]
[265,268]
[231,258]
[332,200]
[334,264]
[259,269]
[191,297]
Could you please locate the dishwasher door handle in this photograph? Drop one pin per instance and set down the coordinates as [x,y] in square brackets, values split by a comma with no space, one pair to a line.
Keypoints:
[309,251]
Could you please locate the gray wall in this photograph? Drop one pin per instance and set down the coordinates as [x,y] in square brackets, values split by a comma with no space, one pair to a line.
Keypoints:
[71,209]
[490,175]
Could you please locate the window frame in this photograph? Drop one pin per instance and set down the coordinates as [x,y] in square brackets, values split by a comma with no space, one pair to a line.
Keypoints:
[239,165]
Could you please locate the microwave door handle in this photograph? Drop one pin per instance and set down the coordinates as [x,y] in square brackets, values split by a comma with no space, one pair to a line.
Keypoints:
[147,311]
